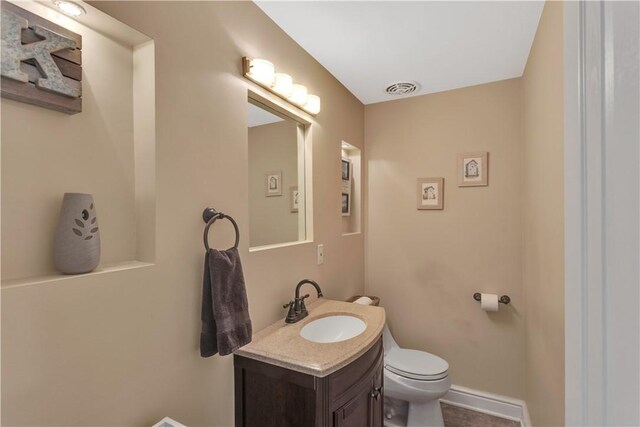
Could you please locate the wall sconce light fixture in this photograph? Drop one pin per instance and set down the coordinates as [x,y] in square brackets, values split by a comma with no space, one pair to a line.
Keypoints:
[283,85]
[264,73]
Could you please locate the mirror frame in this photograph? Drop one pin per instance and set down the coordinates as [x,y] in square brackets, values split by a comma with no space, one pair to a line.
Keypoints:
[305,167]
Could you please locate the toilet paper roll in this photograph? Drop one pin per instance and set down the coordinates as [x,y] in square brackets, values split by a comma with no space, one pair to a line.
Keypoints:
[489,302]
[363,301]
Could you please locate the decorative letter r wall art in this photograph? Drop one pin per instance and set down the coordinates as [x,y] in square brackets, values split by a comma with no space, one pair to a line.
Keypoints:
[41,61]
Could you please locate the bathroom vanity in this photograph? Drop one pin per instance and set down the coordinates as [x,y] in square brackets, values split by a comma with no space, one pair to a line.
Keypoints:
[282,379]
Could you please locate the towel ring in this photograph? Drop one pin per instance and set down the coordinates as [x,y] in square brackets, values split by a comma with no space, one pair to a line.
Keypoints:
[210,215]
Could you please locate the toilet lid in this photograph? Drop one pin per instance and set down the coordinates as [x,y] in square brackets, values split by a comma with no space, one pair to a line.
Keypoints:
[415,364]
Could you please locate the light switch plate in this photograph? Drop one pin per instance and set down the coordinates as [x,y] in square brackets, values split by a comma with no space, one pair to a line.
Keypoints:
[320,254]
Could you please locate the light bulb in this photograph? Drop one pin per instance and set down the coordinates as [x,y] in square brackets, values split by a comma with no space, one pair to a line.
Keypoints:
[262,71]
[70,8]
[313,104]
[298,95]
[283,84]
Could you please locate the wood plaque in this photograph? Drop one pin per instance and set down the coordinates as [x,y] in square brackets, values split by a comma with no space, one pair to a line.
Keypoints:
[41,61]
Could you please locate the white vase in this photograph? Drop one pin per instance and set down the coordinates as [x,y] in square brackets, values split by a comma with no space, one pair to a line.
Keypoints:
[76,246]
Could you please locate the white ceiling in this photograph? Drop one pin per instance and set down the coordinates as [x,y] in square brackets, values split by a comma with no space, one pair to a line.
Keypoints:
[368,45]
[256,116]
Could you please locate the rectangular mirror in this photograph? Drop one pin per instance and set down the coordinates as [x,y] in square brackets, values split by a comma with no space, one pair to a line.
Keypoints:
[277,202]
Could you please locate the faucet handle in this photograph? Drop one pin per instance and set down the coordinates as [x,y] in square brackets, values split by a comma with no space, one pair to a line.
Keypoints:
[291,314]
[302,308]
[287,305]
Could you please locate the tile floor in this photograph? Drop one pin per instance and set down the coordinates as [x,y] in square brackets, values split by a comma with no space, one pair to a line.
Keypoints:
[455,416]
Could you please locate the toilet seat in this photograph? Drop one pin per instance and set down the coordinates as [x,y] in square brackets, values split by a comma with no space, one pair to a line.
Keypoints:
[417,365]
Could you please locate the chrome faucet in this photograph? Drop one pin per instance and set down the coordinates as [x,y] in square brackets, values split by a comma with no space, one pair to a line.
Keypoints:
[297,308]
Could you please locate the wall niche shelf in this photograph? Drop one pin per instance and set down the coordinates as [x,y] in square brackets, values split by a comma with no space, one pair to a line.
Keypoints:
[107,150]
[351,189]
[122,266]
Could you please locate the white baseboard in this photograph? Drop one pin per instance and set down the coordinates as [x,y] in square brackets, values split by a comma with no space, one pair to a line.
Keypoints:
[488,403]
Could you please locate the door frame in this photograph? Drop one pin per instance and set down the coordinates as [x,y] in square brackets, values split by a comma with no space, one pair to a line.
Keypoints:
[601,268]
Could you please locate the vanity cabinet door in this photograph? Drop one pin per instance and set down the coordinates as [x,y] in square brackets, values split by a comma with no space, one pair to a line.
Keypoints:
[365,404]
[378,397]
[358,412]
[272,396]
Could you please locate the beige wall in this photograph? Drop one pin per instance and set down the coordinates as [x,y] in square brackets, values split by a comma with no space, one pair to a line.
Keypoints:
[543,225]
[504,238]
[426,265]
[121,348]
[272,147]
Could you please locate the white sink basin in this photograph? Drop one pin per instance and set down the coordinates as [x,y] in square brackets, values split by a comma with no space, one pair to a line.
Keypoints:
[333,329]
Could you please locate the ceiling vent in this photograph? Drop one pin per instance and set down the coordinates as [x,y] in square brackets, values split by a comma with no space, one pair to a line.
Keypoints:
[402,88]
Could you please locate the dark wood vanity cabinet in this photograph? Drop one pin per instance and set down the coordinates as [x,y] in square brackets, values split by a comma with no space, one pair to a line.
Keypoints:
[271,396]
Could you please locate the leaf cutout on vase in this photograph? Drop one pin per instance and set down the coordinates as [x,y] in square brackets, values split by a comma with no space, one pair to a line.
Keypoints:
[93,221]
[94,230]
[85,214]
[91,207]
[78,232]
[88,237]
[79,223]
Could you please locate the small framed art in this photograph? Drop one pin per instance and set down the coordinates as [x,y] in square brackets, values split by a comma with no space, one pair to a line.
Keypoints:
[473,169]
[430,193]
[346,204]
[273,184]
[346,169]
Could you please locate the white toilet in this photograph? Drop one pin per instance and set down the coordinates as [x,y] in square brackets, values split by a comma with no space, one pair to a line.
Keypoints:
[413,382]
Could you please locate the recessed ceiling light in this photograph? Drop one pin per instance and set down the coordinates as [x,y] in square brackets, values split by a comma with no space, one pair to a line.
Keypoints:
[70,8]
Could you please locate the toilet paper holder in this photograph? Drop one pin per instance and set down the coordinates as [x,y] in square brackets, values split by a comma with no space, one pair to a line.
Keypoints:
[504,299]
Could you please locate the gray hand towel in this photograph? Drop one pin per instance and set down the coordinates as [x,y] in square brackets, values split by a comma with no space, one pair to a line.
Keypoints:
[226,325]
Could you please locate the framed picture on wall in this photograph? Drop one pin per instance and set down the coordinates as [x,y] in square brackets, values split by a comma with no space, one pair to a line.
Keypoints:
[273,183]
[346,186]
[473,169]
[346,169]
[430,193]
[295,195]
[346,204]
